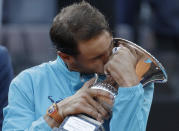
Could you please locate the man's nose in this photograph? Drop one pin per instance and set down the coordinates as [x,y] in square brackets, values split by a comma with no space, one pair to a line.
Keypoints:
[106,58]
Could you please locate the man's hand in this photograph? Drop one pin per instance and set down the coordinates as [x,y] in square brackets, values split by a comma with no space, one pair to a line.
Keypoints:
[83,102]
[122,67]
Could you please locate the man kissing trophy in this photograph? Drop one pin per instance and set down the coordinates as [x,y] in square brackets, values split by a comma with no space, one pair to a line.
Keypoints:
[148,69]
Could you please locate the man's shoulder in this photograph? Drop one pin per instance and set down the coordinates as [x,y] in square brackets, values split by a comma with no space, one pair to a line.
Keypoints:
[32,81]
[39,69]
[35,73]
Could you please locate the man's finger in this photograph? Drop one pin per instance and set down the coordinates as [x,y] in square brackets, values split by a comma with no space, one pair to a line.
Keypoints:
[99,92]
[96,105]
[88,109]
[89,83]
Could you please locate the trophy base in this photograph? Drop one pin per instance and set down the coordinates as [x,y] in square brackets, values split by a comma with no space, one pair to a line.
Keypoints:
[80,123]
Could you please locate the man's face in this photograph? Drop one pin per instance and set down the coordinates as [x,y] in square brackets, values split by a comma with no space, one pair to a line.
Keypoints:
[93,54]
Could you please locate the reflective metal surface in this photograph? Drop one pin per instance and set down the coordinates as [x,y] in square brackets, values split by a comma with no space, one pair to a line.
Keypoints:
[148,70]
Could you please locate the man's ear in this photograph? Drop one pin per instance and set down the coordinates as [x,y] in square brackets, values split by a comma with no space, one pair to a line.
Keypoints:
[68,59]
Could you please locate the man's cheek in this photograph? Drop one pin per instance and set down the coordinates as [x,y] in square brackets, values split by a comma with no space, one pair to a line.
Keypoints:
[99,68]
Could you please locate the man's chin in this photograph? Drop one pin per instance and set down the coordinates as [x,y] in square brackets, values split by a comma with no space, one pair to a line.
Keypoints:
[101,72]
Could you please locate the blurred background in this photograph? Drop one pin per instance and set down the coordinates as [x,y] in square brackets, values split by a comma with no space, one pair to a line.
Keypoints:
[152,24]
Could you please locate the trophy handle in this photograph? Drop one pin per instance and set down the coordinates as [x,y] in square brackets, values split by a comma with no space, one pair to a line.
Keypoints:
[148,68]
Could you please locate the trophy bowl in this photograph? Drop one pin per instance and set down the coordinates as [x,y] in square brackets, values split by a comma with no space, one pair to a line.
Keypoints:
[148,69]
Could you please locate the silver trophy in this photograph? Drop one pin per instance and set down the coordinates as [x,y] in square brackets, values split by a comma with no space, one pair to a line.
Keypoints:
[148,69]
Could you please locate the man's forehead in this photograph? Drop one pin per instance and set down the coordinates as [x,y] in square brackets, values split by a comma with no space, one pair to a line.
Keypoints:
[95,46]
